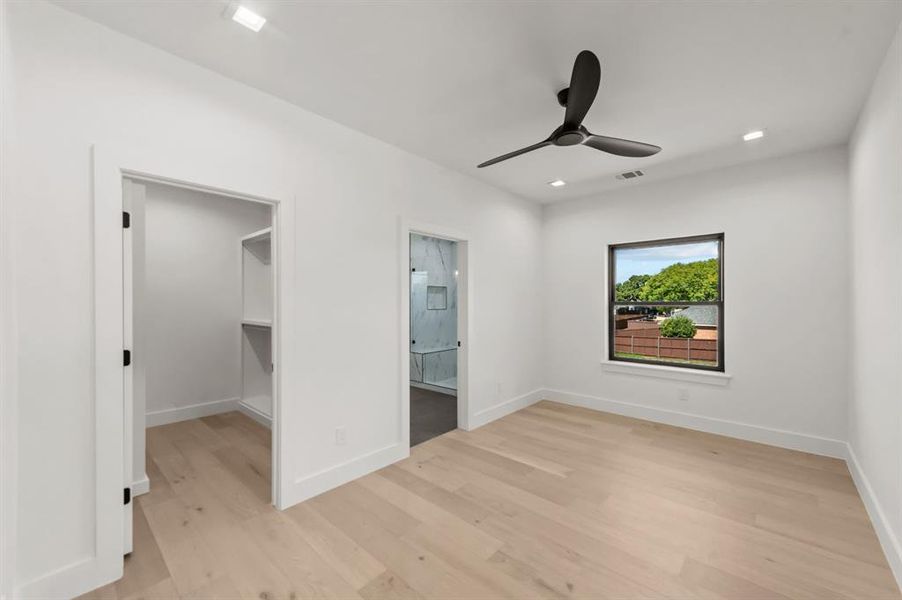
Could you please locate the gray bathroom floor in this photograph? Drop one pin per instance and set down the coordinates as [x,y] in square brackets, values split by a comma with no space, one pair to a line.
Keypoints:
[431,414]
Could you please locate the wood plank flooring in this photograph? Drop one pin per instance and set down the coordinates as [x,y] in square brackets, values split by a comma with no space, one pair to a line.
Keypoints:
[549,502]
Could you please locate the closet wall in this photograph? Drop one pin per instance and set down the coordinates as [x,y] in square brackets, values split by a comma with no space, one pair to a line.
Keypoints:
[193,294]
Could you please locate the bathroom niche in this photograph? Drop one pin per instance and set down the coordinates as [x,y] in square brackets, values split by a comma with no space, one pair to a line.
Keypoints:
[436,297]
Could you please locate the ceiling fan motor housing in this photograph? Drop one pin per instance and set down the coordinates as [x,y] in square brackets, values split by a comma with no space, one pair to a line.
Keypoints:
[569,138]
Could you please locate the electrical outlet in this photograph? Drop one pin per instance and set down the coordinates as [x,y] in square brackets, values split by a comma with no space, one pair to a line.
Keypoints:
[683,394]
[341,437]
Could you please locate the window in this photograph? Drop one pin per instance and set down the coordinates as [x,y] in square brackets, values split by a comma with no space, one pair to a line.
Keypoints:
[666,302]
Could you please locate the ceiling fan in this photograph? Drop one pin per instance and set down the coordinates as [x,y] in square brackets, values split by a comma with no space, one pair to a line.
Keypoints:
[577,99]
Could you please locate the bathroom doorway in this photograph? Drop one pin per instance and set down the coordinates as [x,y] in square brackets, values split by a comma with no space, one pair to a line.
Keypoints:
[434,339]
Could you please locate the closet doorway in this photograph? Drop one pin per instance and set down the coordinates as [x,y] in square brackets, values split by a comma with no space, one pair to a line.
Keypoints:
[435,343]
[199,316]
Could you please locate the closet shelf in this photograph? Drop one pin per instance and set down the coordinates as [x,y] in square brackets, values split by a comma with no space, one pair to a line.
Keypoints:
[259,244]
[256,323]
[258,236]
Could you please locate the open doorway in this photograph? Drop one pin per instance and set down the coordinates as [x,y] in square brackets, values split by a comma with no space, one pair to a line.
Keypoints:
[434,340]
[199,273]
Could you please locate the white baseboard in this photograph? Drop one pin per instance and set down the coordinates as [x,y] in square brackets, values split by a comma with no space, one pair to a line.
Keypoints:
[141,486]
[69,581]
[192,411]
[753,433]
[892,548]
[322,481]
[487,415]
[256,414]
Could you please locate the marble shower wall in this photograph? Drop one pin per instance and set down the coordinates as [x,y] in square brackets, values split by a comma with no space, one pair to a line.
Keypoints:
[433,309]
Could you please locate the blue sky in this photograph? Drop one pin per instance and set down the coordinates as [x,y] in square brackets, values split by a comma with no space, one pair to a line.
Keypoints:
[648,261]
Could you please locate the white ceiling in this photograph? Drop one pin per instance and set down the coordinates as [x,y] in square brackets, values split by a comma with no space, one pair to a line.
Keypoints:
[461,82]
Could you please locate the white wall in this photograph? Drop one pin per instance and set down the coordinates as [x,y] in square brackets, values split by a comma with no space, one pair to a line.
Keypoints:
[786,296]
[8,325]
[193,297]
[76,84]
[875,410]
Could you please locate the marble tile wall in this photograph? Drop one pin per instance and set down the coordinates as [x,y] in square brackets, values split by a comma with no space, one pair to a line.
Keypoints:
[416,367]
[440,368]
[433,263]
[435,368]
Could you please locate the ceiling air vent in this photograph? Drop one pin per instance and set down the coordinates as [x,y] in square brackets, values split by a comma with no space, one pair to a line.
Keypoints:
[630,175]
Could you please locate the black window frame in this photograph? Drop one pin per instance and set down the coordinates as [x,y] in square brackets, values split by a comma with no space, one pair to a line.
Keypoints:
[719,303]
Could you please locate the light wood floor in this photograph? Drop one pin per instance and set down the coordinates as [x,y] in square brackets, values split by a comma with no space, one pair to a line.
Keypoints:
[550,502]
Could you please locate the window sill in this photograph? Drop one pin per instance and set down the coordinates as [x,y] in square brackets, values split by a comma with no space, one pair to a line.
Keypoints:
[662,372]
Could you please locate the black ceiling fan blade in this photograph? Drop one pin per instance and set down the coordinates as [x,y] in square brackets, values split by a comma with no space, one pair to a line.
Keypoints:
[583,87]
[613,145]
[498,159]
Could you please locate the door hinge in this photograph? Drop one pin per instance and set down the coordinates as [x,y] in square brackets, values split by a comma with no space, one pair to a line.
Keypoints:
[126,495]
[126,357]
[126,220]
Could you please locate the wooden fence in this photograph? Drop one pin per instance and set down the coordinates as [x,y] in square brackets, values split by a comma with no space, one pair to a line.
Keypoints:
[664,348]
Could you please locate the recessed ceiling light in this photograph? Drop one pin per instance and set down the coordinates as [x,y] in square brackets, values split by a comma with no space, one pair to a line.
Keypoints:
[557,183]
[753,135]
[248,18]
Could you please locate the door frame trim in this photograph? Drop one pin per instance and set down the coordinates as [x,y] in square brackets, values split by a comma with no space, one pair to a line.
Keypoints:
[224,177]
[464,322]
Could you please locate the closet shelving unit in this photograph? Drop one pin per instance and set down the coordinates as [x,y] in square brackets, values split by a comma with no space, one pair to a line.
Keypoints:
[256,326]
[256,323]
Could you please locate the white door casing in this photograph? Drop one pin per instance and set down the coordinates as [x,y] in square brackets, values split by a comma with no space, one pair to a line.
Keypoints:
[111,165]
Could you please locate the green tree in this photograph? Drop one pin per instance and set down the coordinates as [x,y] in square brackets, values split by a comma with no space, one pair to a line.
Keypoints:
[628,290]
[682,282]
[678,327]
